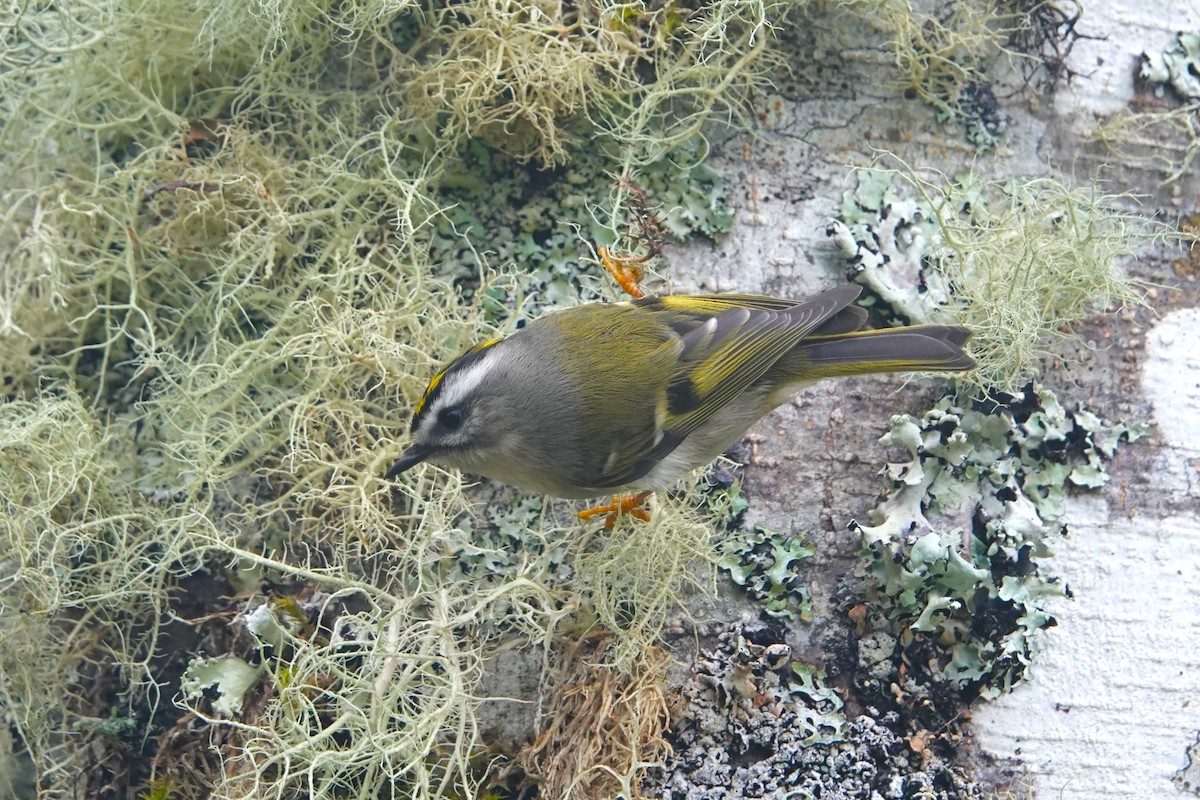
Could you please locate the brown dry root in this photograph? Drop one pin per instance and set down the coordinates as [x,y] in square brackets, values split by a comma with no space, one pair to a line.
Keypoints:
[605,725]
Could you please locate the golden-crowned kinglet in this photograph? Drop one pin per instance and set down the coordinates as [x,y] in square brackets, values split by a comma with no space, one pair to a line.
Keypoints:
[615,397]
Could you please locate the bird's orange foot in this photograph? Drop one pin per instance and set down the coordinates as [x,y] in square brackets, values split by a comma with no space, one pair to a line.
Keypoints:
[626,270]
[630,504]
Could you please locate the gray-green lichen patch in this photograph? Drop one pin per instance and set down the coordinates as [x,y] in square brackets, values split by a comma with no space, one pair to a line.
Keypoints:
[1165,139]
[1177,66]
[765,563]
[226,678]
[1015,260]
[758,722]
[964,608]
[502,212]
[886,235]
[946,56]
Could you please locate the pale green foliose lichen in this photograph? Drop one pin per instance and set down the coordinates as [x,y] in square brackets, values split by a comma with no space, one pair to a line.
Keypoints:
[228,678]
[1016,261]
[822,720]
[968,605]
[1177,66]
[507,214]
[765,564]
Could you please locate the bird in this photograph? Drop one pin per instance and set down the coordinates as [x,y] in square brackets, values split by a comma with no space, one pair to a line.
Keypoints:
[611,398]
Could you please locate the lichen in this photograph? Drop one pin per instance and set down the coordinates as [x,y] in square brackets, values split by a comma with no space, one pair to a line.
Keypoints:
[952,55]
[765,563]
[83,580]
[1165,141]
[1016,261]
[758,722]
[238,237]
[228,678]
[633,578]
[526,78]
[546,223]
[1178,66]
[246,285]
[965,608]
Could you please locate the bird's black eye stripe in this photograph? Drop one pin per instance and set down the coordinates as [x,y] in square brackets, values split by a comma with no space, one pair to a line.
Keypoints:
[450,418]
[438,381]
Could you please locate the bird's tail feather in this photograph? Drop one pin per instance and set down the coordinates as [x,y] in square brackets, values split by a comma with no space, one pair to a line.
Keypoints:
[919,348]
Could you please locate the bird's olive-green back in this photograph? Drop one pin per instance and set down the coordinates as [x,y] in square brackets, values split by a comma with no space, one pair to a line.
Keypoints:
[658,369]
[620,358]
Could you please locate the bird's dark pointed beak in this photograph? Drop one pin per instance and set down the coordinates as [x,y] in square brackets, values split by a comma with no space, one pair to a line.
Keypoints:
[412,456]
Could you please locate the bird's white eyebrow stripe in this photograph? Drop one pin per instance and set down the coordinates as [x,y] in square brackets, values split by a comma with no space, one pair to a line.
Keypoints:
[463,383]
